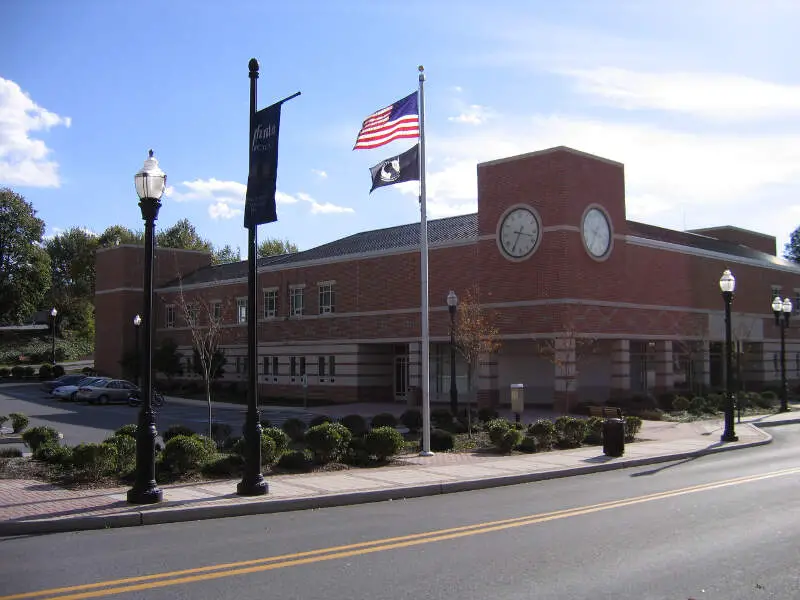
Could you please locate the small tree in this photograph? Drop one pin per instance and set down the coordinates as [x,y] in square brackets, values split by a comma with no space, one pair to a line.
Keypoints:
[474,335]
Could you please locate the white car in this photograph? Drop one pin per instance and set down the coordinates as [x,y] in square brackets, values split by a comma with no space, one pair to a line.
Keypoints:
[70,392]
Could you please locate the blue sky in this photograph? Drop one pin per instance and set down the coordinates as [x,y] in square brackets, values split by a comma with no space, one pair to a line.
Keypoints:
[700,99]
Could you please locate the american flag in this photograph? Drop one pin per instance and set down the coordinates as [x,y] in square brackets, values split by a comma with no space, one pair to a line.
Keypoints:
[399,120]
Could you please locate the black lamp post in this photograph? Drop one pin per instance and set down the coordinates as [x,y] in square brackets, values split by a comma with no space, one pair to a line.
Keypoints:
[452,306]
[53,314]
[137,322]
[783,307]
[727,284]
[150,184]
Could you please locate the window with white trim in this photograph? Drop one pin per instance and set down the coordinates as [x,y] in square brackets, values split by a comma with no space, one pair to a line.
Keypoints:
[270,303]
[321,366]
[170,315]
[332,367]
[296,301]
[241,310]
[302,365]
[216,310]
[293,366]
[275,367]
[326,297]
[266,362]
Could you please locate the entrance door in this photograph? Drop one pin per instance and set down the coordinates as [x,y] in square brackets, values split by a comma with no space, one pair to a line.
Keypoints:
[400,378]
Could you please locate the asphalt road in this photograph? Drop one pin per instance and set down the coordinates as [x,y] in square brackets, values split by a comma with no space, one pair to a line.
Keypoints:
[720,527]
[82,422]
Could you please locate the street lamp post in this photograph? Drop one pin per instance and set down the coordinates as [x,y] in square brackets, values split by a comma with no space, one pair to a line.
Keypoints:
[727,284]
[137,322]
[150,184]
[783,308]
[452,306]
[53,313]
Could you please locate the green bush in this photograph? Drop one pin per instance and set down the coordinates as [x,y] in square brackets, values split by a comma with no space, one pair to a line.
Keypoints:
[29,371]
[355,423]
[384,420]
[486,414]
[651,415]
[697,405]
[632,427]
[45,371]
[94,460]
[296,460]
[265,423]
[128,430]
[496,428]
[279,437]
[766,399]
[184,454]
[58,371]
[228,465]
[294,428]
[442,440]
[54,454]
[10,452]
[175,431]
[325,443]
[40,436]
[3,420]
[384,442]
[17,372]
[528,444]
[126,452]
[268,453]
[442,418]
[544,430]
[357,452]
[320,420]
[594,431]
[412,420]
[5,372]
[680,403]
[717,401]
[570,431]
[19,422]
[503,435]
[220,432]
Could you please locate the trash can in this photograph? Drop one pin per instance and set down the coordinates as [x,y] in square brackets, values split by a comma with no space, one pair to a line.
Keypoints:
[614,437]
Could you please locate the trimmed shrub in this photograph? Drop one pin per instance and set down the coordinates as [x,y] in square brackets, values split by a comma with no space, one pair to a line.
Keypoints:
[651,415]
[325,442]
[632,427]
[570,431]
[442,418]
[487,414]
[229,465]
[717,401]
[355,423]
[544,430]
[503,435]
[279,437]
[233,444]
[19,422]
[184,453]
[680,403]
[294,428]
[17,372]
[594,431]
[29,371]
[296,460]
[665,400]
[412,420]
[54,454]
[94,460]
[58,371]
[766,399]
[697,405]
[344,432]
[357,452]
[528,444]
[45,371]
[128,430]
[268,454]
[126,452]
[442,440]
[384,442]
[10,453]
[175,431]
[36,437]
[384,420]
[220,432]
[5,372]
[265,423]
[320,420]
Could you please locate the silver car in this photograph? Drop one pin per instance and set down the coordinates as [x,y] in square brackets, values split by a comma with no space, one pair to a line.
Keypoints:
[103,392]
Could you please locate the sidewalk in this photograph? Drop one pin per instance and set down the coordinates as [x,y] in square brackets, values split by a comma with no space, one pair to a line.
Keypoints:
[36,507]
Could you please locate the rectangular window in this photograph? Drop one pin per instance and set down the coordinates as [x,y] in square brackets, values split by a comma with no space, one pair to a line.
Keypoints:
[321,366]
[332,366]
[238,364]
[302,365]
[326,298]
[191,313]
[796,307]
[170,317]
[296,301]
[274,365]
[266,365]
[241,310]
[270,303]
[216,310]
[776,291]
[293,366]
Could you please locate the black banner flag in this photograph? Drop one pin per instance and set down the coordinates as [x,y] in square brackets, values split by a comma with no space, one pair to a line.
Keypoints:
[403,167]
[262,179]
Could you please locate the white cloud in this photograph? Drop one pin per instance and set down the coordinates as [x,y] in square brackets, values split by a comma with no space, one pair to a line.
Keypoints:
[320,174]
[473,115]
[323,208]
[222,210]
[24,160]
[708,95]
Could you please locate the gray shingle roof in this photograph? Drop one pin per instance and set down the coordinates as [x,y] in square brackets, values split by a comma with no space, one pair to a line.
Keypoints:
[461,227]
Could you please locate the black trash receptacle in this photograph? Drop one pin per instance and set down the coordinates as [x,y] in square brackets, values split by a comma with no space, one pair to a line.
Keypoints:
[614,437]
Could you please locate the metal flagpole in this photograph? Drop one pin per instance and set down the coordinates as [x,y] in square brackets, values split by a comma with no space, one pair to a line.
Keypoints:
[423,233]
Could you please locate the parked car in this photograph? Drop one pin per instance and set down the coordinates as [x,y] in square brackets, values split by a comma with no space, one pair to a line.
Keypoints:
[49,386]
[103,392]
[69,392]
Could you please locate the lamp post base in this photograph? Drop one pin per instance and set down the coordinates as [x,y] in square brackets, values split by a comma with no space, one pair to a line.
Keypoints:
[149,495]
[729,437]
[426,454]
[254,487]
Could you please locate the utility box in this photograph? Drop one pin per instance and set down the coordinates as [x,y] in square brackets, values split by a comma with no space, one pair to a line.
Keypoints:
[517,398]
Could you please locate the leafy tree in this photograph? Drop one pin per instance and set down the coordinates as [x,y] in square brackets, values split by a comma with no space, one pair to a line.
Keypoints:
[791,251]
[24,265]
[225,255]
[182,235]
[275,247]
[115,235]
[167,359]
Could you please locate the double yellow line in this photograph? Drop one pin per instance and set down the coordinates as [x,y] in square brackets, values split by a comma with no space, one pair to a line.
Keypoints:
[159,580]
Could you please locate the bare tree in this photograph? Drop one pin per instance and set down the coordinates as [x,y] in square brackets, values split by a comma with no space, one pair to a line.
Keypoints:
[204,321]
[550,349]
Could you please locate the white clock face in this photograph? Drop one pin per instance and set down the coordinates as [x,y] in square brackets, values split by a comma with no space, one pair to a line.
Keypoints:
[519,233]
[596,232]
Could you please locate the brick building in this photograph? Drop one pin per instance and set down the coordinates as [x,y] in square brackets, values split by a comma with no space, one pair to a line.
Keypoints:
[588,304]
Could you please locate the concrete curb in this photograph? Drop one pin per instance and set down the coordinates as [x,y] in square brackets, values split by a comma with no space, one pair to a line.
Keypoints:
[759,425]
[258,507]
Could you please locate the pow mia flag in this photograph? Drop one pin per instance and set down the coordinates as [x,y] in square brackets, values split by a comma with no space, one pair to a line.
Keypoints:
[261,181]
[403,167]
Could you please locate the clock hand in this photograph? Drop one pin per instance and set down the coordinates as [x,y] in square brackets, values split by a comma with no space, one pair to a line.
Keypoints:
[514,247]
